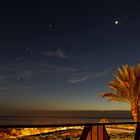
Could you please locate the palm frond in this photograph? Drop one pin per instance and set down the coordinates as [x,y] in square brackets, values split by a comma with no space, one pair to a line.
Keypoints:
[126,85]
[114,97]
[126,71]
[132,75]
[106,94]
[137,71]
[119,80]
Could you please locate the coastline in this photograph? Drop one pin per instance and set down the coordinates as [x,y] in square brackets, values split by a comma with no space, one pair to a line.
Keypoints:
[63,117]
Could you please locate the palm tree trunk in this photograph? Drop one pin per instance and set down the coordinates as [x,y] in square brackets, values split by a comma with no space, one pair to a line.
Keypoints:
[135,113]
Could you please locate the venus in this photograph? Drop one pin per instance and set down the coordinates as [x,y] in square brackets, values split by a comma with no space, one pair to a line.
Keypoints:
[116,22]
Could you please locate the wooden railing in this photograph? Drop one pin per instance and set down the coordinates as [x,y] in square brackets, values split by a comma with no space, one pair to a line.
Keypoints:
[91,131]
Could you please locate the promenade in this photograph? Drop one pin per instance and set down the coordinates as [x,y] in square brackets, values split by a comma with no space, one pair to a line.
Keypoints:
[87,131]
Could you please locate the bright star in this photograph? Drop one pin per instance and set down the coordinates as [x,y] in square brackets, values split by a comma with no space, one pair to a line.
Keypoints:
[116,22]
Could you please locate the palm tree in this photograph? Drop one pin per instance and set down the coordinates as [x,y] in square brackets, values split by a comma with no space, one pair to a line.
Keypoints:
[126,87]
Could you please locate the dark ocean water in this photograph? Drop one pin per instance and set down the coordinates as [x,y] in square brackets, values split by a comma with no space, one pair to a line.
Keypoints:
[45,121]
[62,117]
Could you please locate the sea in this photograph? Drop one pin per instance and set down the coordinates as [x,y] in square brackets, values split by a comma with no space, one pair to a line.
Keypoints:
[62,117]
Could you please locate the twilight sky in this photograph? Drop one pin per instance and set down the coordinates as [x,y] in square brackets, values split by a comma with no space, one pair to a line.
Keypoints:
[59,54]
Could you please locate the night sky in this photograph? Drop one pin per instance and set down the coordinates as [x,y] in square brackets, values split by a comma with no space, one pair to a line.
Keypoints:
[60,54]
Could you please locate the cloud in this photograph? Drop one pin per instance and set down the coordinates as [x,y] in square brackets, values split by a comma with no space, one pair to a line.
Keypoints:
[29,70]
[15,88]
[75,81]
[84,76]
[58,53]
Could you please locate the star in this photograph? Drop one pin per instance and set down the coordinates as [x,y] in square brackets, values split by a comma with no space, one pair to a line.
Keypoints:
[66,36]
[31,52]
[50,25]
[18,59]
[18,78]
[35,53]
[125,16]
[116,22]
[27,49]
[1,55]
[98,19]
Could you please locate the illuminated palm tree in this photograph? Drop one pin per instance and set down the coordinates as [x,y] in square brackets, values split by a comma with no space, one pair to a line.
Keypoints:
[126,87]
